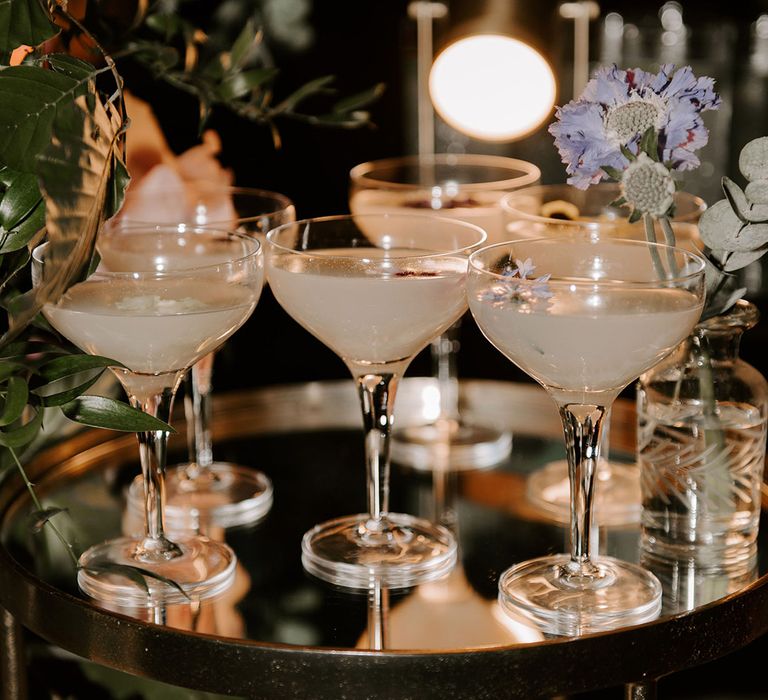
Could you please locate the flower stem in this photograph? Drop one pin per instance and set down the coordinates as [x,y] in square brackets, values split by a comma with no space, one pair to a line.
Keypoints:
[669,239]
[650,236]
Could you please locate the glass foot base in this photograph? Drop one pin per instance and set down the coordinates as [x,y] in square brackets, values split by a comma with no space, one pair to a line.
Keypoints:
[223,495]
[203,569]
[406,552]
[458,445]
[617,493]
[538,590]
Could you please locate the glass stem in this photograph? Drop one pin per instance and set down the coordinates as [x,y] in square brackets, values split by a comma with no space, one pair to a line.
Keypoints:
[198,407]
[152,452]
[444,351]
[582,424]
[377,395]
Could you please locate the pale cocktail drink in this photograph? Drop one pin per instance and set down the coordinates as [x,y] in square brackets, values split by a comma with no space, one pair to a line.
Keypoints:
[588,342]
[371,318]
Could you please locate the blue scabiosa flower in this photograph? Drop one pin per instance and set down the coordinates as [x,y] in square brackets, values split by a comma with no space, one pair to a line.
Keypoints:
[518,286]
[599,133]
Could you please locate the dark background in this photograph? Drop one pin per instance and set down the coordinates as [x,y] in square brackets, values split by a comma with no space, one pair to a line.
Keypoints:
[363,42]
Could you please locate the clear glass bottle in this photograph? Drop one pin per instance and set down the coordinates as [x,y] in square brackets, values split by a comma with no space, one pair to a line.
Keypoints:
[701,443]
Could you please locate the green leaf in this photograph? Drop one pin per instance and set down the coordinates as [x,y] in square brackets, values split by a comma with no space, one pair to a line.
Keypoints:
[246,40]
[57,371]
[75,198]
[118,183]
[241,83]
[24,22]
[12,263]
[71,66]
[71,365]
[136,574]
[21,197]
[39,518]
[30,100]
[631,157]
[16,395]
[361,99]
[618,202]
[103,412]
[613,173]
[18,437]
[635,216]
[50,397]
[649,143]
[23,348]
[314,87]
[22,212]
[9,368]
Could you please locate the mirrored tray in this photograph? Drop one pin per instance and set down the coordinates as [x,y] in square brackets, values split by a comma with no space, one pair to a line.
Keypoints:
[282,633]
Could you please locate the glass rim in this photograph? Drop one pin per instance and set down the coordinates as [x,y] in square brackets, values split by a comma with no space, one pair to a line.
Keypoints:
[699,202]
[285,202]
[464,225]
[142,273]
[361,173]
[692,256]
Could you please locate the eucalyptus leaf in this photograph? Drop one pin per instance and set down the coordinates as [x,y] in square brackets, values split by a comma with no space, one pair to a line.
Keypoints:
[736,198]
[717,222]
[24,22]
[635,216]
[24,434]
[737,260]
[104,412]
[39,518]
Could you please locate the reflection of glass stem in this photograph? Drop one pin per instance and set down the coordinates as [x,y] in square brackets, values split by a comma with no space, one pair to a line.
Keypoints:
[444,349]
[198,411]
[378,616]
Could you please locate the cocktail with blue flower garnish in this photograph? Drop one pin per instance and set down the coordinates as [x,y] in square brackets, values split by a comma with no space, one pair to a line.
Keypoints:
[584,316]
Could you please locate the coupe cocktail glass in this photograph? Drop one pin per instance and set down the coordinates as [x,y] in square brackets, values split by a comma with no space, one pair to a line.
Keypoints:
[545,210]
[584,316]
[204,491]
[162,298]
[376,289]
[457,186]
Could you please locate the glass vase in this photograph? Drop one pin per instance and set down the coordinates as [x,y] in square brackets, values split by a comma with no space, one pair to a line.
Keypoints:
[701,447]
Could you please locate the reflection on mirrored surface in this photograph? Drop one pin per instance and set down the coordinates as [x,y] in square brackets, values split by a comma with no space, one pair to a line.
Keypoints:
[313,456]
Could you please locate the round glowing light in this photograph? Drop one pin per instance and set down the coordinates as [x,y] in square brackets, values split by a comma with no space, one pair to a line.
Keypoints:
[492,87]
